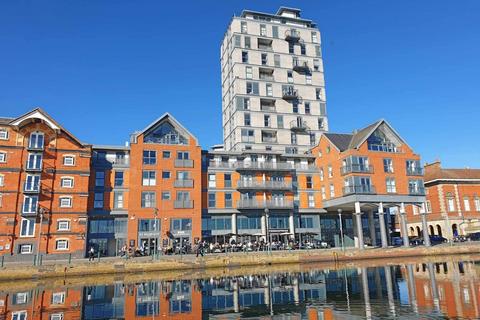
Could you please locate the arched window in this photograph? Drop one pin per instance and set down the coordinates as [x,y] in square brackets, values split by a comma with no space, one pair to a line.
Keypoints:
[432,230]
[454,229]
[439,230]
[412,231]
[419,232]
[37,140]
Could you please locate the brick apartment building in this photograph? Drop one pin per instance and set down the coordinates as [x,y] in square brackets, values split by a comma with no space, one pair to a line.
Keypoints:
[44,175]
[453,201]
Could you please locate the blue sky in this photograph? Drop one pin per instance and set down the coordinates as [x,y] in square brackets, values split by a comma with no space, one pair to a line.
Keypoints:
[106,68]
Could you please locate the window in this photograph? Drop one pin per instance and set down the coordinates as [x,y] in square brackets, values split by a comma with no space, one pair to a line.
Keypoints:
[320,123]
[148,199]
[243,103]
[476,201]
[243,26]
[3,134]
[19,315]
[332,191]
[280,121]
[247,43]
[56,316]
[61,244]
[248,135]
[149,178]
[295,107]
[166,174]
[34,161]
[120,158]
[246,119]
[166,195]
[391,186]
[166,154]
[183,155]
[316,65]
[330,172]
[309,182]
[66,182]
[308,78]
[65,202]
[98,200]
[25,248]
[263,30]
[318,94]
[149,157]
[274,31]
[321,174]
[388,165]
[318,52]
[99,178]
[314,37]
[276,60]
[58,298]
[266,120]
[118,178]
[32,182]
[27,227]
[269,89]
[451,204]
[291,48]
[245,56]
[227,177]
[466,203]
[181,224]
[289,76]
[303,50]
[63,225]
[428,206]
[228,200]
[20,298]
[212,180]
[307,107]
[36,140]
[211,200]
[237,40]
[3,157]
[264,57]
[248,73]
[148,225]
[30,204]
[2,180]
[118,200]
[311,200]
[68,160]
[324,194]
[313,139]
[293,138]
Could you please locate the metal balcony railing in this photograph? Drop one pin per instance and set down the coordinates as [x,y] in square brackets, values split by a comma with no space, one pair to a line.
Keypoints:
[183,183]
[275,166]
[183,163]
[296,125]
[415,171]
[264,185]
[290,94]
[31,187]
[260,204]
[356,168]
[359,189]
[292,35]
[300,65]
[416,191]
[34,167]
[35,148]
[183,204]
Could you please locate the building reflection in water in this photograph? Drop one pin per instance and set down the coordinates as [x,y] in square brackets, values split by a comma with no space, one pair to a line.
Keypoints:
[435,289]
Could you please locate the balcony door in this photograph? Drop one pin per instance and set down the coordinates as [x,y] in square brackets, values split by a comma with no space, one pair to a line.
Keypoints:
[34,161]
[36,140]
[32,182]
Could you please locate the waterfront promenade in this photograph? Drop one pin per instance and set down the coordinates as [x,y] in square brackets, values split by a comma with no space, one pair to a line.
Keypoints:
[190,263]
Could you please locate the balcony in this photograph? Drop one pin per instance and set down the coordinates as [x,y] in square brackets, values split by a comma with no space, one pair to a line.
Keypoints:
[222,165]
[359,189]
[416,191]
[300,66]
[292,35]
[31,188]
[290,94]
[356,168]
[183,183]
[298,125]
[260,205]
[35,148]
[264,166]
[183,204]
[183,163]
[415,171]
[33,167]
[264,185]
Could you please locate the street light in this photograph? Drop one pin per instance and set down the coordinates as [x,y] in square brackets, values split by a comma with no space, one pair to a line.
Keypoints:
[41,212]
[155,213]
[341,228]
[267,231]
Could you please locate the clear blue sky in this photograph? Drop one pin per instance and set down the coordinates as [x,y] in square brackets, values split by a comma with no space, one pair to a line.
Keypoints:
[106,68]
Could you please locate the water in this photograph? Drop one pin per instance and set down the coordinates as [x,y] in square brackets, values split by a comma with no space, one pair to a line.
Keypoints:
[408,289]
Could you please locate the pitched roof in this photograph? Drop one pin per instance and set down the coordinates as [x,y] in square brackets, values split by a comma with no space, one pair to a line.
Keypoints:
[436,172]
[340,140]
[361,135]
[5,120]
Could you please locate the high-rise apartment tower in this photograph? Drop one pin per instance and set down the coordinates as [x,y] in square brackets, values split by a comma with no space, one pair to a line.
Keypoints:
[273,88]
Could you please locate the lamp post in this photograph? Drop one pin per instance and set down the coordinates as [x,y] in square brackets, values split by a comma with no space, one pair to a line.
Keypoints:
[341,228]
[267,228]
[155,213]
[41,212]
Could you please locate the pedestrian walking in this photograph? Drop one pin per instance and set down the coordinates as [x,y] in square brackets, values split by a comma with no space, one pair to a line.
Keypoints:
[91,254]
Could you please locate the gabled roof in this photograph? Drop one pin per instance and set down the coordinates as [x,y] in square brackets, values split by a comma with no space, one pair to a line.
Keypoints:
[345,141]
[39,113]
[166,117]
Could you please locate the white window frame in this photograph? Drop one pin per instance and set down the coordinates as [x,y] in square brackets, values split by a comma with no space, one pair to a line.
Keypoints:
[248,73]
[21,297]
[3,157]
[68,205]
[212,183]
[311,200]
[30,207]
[2,180]
[466,204]
[66,157]
[324,193]
[64,179]
[29,222]
[63,221]
[332,190]
[1,200]
[476,201]
[58,241]
[118,200]
[451,204]
[392,187]
[149,181]
[58,295]
[26,245]
[56,316]
[37,134]
[330,172]
[3,134]
[19,315]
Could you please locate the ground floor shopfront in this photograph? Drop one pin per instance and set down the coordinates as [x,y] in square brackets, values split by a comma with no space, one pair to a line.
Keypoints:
[448,226]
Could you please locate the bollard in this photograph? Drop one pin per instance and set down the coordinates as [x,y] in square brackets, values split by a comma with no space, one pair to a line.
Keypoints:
[3,260]
[98,256]
[70,258]
[41,260]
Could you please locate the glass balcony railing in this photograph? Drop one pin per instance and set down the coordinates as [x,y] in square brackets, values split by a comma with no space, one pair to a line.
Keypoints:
[359,189]
[356,168]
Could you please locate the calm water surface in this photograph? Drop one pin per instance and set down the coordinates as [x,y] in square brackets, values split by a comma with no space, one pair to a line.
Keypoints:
[436,290]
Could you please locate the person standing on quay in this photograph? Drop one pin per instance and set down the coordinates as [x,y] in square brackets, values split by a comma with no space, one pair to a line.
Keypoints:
[91,254]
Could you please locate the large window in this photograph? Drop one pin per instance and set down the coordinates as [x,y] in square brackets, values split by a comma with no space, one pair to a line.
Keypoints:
[36,140]
[183,155]
[101,226]
[212,180]
[303,222]
[311,200]
[98,200]
[118,178]
[466,204]
[148,225]
[248,223]
[32,182]
[27,227]
[217,223]
[278,222]
[149,157]
[34,161]
[99,178]
[388,165]
[181,224]
[228,200]
[149,178]
[30,204]
[477,203]
[451,204]
[148,199]
[3,134]
[118,200]
[391,185]
[252,88]
[227,177]
[211,200]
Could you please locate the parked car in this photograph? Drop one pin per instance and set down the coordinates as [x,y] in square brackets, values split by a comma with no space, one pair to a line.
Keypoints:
[416,241]
[474,236]
[436,239]
[397,241]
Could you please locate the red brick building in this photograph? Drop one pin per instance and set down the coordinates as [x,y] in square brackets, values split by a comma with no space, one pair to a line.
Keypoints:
[44,174]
